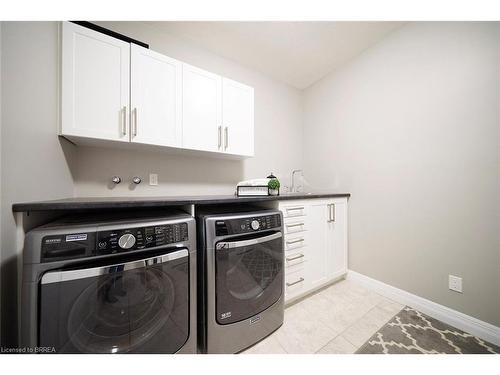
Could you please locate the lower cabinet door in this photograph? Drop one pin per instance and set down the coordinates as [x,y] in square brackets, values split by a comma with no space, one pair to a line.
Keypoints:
[337,239]
[317,265]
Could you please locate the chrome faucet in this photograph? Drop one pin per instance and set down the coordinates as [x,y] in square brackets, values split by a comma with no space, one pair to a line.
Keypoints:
[293,188]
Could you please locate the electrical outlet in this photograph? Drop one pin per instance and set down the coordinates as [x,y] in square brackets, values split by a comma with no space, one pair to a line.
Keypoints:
[153,179]
[455,283]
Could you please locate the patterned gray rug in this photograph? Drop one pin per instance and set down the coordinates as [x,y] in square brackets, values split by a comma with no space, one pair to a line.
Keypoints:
[411,332]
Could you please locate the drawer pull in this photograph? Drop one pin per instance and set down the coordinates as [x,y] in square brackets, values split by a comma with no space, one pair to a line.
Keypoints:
[294,225]
[295,282]
[295,257]
[294,208]
[294,241]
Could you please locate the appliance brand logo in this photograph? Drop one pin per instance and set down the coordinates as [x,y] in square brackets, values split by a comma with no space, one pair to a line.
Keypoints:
[52,240]
[225,315]
[255,319]
[76,237]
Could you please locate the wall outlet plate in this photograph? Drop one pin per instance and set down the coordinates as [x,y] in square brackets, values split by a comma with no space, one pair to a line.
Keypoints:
[153,179]
[455,283]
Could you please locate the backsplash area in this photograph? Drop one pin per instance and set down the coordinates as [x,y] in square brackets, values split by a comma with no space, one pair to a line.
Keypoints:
[93,169]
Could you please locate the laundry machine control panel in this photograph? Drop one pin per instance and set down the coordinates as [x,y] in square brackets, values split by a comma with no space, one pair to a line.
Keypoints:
[247,225]
[114,241]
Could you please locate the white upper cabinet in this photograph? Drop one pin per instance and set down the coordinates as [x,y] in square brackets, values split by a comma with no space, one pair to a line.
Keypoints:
[237,117]
[116,91]
[155,98]
[201,109]
[95,84]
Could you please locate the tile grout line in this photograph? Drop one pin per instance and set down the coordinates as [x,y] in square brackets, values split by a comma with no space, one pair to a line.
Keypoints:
[357,347]
[345,329]
[372,308]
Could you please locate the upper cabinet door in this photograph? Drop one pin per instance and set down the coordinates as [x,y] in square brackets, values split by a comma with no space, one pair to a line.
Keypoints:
[237,118]
[94,84]
[156,98]
[201,109]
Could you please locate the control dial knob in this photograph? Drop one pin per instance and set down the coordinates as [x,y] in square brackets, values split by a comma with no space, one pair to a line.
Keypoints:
[255,224]
[126,241]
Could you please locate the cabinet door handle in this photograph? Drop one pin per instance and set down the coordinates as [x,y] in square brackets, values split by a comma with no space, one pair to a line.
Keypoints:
[295,282]
[295,241]
[135,122]
[295,257]
[219,137]
[226,136]
[124,120]
[332,210]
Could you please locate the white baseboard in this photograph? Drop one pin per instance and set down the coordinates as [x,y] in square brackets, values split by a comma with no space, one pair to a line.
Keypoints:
[483,330]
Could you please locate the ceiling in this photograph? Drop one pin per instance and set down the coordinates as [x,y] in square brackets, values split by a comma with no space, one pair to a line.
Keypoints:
[297,53]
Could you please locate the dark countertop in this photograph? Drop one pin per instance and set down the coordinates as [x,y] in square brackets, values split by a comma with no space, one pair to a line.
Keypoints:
[149,202]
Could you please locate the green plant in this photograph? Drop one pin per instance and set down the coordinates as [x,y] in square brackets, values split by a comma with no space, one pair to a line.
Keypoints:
[273,184]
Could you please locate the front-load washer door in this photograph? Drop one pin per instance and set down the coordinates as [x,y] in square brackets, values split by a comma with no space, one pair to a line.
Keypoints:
[135,306]
[249,276]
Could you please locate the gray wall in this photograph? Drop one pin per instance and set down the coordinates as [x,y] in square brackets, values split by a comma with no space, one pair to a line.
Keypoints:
[412,129]
[33,163]
[1,23]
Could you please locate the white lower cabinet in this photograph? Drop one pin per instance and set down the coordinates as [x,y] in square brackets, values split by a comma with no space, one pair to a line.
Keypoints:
[315,244]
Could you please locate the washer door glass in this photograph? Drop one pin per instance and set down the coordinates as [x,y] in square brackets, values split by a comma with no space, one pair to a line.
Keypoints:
[249,276]
[138,306]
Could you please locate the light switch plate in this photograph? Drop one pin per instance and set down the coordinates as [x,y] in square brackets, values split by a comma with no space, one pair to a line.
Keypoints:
[455,283]
[153,179]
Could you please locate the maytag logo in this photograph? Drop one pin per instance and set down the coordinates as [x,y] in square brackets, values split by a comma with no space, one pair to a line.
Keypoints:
[52,240]
[255,319]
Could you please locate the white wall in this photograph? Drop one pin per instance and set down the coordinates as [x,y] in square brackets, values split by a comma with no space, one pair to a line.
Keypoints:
[411,128]
[278,135]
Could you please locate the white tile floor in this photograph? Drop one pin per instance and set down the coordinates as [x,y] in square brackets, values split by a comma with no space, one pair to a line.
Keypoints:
[336,320]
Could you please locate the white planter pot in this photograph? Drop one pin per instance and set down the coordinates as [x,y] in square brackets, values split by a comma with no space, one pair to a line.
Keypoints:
[274,192]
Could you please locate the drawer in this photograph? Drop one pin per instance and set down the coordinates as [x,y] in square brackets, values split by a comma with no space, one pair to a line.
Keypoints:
[295,260]
[293,210]
[295,226]
[295,242]
[295,284]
